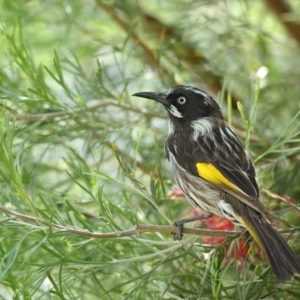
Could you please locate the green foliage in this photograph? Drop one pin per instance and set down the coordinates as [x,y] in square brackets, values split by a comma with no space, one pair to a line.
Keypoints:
[77,151]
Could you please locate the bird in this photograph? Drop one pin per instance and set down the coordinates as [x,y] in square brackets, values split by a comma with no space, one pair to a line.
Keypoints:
[216,174]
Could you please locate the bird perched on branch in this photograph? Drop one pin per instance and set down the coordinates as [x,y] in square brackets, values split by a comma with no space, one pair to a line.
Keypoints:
[215,173]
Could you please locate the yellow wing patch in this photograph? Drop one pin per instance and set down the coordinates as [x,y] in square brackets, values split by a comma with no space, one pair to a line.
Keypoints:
[210,173]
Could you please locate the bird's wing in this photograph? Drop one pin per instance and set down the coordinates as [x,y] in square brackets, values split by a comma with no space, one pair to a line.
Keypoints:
[220,159]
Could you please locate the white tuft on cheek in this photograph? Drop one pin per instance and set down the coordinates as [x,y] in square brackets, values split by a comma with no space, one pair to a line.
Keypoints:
[174,111]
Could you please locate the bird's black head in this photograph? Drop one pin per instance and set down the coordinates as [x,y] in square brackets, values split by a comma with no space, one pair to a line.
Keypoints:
[185,103]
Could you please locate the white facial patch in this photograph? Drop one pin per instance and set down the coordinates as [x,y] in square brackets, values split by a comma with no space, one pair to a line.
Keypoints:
[203,126]
[174,111]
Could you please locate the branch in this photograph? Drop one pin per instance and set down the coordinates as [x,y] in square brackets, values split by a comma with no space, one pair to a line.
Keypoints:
[149,53]
[134,231]
[281,8]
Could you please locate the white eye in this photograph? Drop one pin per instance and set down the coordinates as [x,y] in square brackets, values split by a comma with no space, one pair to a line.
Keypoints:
[181,100]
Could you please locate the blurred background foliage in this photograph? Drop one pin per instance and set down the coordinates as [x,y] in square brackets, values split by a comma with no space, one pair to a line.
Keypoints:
[73,140]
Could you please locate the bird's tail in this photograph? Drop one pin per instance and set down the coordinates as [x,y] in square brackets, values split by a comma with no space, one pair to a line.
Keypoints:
[283,260]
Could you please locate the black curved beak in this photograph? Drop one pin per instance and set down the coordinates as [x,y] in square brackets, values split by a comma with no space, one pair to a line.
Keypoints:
[158,97]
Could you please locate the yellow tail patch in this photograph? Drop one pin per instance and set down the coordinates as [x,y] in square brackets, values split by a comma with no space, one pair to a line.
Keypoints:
[210,173]
[252,231]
